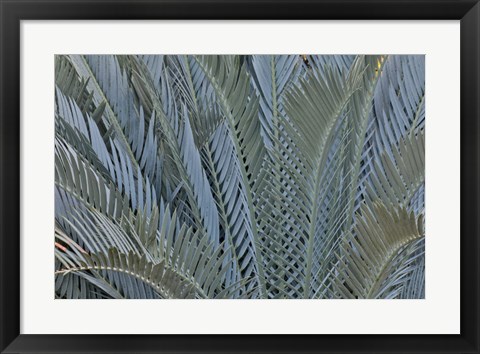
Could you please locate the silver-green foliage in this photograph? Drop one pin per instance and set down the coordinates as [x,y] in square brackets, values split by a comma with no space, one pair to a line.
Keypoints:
[261,176]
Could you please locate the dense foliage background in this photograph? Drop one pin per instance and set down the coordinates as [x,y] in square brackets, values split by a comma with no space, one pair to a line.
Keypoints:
[261,176]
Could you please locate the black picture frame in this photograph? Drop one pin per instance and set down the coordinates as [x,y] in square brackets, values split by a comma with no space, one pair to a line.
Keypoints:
[14,11]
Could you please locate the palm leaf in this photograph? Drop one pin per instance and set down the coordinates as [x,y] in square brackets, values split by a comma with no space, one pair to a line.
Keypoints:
[231,84]
[300,150]
[182,263]
[398,179]
[377,255]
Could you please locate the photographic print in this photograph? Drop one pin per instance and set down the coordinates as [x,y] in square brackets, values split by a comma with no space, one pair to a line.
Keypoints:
[239,176]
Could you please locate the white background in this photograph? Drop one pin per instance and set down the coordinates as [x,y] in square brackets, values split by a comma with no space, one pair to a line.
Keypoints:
[439,313]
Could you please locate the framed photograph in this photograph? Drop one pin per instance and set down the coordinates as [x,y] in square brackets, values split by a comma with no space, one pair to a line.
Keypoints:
[239,177]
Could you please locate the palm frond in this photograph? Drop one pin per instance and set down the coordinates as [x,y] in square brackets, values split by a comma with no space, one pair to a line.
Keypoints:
[400,100]
[300,150]
[398,179]
[182,263]
[272,76]
[378,254]
[231,84]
